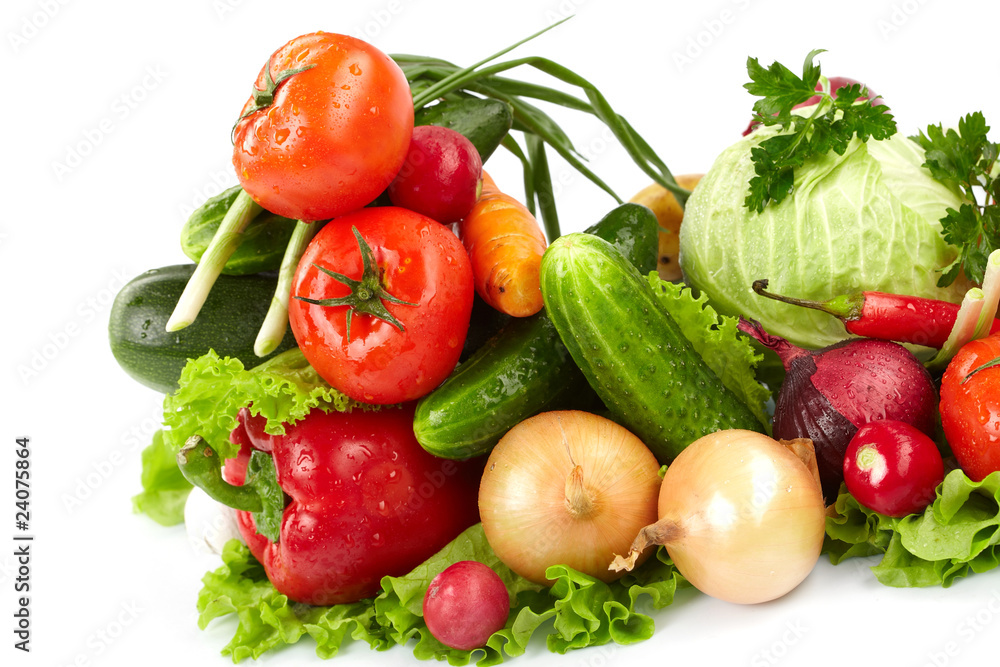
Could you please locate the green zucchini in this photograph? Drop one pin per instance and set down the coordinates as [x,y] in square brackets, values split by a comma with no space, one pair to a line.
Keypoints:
[630,349]
[524,369]
[228,323]
[483,121]
[263,243]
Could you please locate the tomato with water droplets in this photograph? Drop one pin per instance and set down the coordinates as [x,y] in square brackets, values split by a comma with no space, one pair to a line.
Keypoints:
[380,304]
[326,128]
[970,406]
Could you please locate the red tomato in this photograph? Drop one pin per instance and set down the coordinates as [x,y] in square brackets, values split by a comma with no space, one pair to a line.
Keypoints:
[364,501]
[970,407]
[892,467]
[334,135]
[413,346]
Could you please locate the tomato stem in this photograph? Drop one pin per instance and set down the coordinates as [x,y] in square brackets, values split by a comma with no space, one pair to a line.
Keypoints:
[276,322]
[263,98]
[367,294]
[227,238]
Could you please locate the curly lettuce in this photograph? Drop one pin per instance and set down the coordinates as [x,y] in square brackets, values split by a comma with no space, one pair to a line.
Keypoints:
[577,611]
[956,535]
[211,391]
[715,337]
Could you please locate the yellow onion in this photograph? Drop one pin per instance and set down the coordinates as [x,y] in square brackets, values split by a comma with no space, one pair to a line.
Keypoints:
[566,488]
[740,514]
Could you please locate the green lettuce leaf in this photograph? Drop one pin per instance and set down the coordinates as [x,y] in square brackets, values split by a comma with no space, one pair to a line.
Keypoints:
[580,610]
[715,337]
[956,535]
[213,389]
[164,489]
[267,620]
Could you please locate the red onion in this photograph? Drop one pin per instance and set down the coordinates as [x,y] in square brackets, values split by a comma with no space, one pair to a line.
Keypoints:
[829,394]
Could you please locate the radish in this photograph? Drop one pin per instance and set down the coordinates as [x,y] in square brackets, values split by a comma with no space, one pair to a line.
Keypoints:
[465,604]
[893,468]
[828,394]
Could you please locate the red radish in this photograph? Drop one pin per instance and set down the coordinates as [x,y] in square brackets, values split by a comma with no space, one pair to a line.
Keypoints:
[465,604]
[836,82]
[893,468]
[828,394]
[440,177]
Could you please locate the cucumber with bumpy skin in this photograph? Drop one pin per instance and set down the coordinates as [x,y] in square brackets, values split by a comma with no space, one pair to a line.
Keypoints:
[631,350]
[524,369]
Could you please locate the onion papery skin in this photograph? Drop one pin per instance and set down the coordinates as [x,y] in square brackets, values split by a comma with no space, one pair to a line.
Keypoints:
[523,495]
[749,515]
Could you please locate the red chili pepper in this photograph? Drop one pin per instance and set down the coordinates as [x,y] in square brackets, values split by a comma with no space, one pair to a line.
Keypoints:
[904,319]
[339,501]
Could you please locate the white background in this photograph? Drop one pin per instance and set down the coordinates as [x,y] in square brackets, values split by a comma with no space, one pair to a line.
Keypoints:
[145,94]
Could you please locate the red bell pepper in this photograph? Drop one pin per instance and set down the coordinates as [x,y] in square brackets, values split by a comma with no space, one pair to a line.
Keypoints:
[353,498]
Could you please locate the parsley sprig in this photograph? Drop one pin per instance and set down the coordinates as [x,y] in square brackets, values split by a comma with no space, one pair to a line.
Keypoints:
[968,159]
[837,118]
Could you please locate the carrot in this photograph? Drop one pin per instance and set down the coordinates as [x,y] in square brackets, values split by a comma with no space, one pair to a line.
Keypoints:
[505,245]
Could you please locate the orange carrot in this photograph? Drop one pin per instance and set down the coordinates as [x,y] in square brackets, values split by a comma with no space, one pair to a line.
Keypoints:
[505,244]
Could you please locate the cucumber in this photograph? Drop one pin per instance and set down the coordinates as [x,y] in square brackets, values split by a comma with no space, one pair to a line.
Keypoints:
[630,349]
[484,323]
[228,323]
[483,121]
[263,243]
[524,369]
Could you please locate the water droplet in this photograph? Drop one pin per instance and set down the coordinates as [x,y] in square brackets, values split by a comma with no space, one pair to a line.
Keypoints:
[355,69]
[281,135]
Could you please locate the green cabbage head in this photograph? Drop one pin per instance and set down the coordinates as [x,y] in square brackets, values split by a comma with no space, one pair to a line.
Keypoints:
[864,220]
